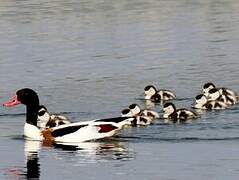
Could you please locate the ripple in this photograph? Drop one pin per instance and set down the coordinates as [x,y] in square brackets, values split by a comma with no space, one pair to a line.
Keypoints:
[218,40]
[139,139]
[12,115]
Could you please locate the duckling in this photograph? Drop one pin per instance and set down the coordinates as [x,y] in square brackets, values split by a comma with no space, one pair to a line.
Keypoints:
[166,94]
[177,115]
[45,120]
[201,102]
[137,111]
[151,93]
[213,94]
[138,119]
[126,113]
[206,87]
[142,121]
[218,95]
[228,96]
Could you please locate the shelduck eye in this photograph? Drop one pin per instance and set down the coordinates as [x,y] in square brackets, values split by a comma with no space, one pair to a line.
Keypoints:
[41,113]
[199,96]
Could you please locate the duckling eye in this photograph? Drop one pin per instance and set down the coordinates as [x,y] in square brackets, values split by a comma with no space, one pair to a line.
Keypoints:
[41,113]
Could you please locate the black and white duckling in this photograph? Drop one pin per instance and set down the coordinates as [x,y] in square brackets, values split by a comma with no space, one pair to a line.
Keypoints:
[47,120]
[213,94]
[228,96]
[142,117]
[126,113]
[151,93]
[137,111]
[218,95]
[201,102]
[177,115]
[206,87]
[142,121]
[139,120]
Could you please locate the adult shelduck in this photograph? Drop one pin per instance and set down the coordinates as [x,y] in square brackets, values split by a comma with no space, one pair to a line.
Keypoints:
[74,132]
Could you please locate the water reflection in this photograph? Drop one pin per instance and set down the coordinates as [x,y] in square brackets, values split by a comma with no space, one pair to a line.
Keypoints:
[93,152]
[32,161]
[75,153]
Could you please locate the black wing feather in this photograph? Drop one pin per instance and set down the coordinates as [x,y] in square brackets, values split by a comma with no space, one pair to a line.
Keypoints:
[116,119]
[66,130]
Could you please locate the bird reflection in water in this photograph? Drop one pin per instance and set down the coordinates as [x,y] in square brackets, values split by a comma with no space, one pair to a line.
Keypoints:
[32,160]
[96,151]
[78,152]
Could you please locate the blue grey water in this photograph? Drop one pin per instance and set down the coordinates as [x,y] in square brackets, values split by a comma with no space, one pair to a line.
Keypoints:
[90,59]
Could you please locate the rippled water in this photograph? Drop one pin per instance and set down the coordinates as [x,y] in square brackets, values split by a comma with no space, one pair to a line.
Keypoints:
[91,59]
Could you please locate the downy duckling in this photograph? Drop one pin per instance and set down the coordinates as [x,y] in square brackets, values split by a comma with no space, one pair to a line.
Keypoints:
[177,115]
[151,93]
[206,87]
[140,120]
[46,120]
[137,111]
[218,95]
[201,102]
[228,96]
[126,113]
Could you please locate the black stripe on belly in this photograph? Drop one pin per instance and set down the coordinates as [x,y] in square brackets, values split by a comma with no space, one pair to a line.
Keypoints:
[66,130]
[116,119]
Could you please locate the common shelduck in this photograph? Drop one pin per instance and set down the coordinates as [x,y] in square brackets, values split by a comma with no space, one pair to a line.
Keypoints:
[47,120]
[151,93]
[74,132]
[137,119]
[206,87]
[177,115]
[141,117]
[218,95]
[137,111]
[201,102]
[228,96]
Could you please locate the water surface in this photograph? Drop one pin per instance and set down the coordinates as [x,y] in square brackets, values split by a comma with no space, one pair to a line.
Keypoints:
[90,59]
